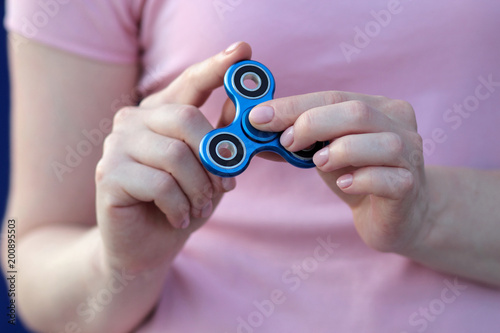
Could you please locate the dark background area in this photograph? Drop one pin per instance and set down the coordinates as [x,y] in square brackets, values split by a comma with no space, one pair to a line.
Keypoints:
[4,166]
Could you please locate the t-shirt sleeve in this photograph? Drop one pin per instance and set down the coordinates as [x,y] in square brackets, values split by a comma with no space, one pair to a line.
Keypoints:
[104,30]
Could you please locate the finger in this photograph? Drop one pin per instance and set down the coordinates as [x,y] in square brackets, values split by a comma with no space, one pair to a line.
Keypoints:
[196,83]
[176,158]
[333,121]
[383,149]
[188,124]
[227,117]
[182,122]
[131,183]
[278,114]
[386,182]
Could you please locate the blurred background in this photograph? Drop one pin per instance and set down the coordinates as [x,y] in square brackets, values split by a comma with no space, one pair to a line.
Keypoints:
[4,165]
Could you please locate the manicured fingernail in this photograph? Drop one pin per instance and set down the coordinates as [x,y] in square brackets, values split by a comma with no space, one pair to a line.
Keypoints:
[228,184]
[185,223]
[344,181]
[261,115]
[287,137]
[207,210]
[232,47]
[321,157]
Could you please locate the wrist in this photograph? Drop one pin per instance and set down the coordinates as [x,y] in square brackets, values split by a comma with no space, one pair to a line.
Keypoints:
[429,203]
[147,265]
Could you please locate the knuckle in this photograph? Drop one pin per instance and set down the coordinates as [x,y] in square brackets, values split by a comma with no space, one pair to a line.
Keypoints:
[202,196]
[286,113]
[208,189]
[401,105]
[124,115]
[394,143]
[184,208]
[177,151]
[110,200]
[108,185]
[189,73]
[400,183]
[305,122]
[341,148]
[106,170]
[417,141]
[163,184]
[101,171]
[187,114]
[192,73]
[333,97]
[406,182]
[382,100]
[199,200]
[405,110]
[360,111]
[113,143]
[107,163]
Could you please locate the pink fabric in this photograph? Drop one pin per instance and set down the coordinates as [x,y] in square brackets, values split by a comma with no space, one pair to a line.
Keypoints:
[280,253]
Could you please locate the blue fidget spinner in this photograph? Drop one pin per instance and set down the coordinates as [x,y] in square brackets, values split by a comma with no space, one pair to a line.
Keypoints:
[227,151]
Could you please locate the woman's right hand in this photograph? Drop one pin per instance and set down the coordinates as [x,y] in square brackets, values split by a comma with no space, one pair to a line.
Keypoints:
[152,190]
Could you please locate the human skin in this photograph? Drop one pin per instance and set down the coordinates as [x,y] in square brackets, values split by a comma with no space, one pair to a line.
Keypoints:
[76,238]
[73,234]
[375,163]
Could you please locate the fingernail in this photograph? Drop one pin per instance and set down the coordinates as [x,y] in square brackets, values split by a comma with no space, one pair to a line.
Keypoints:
[287,137]
[185,223]
[344,181]
[232,47]
[207,210]
[261,114]
[321,157]
[228,184]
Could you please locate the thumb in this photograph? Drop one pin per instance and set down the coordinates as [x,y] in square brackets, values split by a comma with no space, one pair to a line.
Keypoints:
[227,117]
[197,82]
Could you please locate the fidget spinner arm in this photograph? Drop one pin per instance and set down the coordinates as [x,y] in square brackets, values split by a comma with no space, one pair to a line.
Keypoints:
[227,151]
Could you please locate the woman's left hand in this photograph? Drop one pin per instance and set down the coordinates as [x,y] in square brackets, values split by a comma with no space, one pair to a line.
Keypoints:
[374,161]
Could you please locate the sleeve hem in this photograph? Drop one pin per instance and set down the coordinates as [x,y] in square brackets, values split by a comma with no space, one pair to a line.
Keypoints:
[74,48]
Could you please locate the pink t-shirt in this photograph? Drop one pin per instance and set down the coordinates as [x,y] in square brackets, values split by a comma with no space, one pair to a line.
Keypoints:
[280,254]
